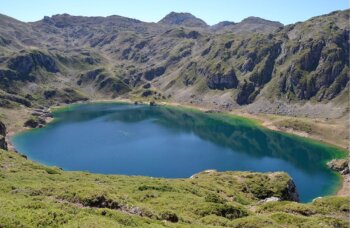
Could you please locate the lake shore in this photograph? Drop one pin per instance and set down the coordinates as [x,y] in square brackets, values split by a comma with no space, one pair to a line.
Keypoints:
[17,126]
[286,124]
[270,121]
[267,122]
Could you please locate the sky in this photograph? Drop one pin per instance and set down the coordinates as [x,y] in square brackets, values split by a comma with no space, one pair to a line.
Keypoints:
[211,11]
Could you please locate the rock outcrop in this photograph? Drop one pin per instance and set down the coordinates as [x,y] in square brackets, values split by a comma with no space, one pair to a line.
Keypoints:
[35,122]
[223,81]
[3,143]
[340,165]
[290,192]
[247,93]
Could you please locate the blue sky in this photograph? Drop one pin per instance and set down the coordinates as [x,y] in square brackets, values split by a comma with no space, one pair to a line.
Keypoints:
[211,11]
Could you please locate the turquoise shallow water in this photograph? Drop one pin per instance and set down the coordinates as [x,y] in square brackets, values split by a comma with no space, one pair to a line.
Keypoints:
[171,142]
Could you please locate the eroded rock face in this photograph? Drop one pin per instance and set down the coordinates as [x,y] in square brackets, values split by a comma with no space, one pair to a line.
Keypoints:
[247,93]
[318,68]
[263,75]
[223,81]
[24,64]
[3,143]
[91,76]
[290,192]
[248,65]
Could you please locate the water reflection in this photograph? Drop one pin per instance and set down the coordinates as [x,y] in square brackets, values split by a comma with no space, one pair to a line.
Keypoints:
[171,142]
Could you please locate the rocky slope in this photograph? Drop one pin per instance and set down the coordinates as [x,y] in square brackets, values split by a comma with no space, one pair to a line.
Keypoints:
[255,64]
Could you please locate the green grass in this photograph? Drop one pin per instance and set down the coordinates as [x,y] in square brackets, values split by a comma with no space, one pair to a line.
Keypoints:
[33,195]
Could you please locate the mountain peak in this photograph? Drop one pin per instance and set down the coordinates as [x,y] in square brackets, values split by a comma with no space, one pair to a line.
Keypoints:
[183,19]
[222,25]
[258,20]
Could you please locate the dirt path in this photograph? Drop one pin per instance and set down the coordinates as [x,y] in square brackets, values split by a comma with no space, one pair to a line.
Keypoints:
[345,187]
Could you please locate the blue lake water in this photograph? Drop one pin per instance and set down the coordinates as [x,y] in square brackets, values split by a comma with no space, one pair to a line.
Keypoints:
[170,142]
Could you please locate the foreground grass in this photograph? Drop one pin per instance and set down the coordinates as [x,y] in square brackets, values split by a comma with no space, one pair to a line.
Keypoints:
[33,195]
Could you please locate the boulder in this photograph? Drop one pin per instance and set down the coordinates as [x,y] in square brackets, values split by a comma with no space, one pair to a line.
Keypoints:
[270,199]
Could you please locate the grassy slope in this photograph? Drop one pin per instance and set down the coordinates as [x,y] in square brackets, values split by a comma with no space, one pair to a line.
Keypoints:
[331,131]
[35,195]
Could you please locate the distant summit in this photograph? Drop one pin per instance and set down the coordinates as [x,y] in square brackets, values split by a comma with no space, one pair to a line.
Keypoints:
[249,24]
[261,21]
[183,19]
[181,57]
[221,25]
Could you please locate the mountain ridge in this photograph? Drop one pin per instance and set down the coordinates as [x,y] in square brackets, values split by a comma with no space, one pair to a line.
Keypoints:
[247,65]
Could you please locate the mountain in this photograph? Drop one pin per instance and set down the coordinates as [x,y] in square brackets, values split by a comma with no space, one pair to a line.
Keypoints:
[183,19]
[257,65]
[250,24]
[222,25]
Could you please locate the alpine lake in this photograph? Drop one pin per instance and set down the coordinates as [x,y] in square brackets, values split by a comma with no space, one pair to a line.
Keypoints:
[172,142]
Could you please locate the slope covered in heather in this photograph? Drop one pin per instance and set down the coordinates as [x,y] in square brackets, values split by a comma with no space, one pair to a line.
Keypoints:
[33,195]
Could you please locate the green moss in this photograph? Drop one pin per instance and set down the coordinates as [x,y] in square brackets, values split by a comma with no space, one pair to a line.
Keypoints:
[254,221]
[297,125]
[328,204]
[214,198]
[288,207]
[229,211]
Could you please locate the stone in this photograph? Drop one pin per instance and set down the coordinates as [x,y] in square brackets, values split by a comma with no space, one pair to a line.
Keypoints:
[270,199]
[339,165]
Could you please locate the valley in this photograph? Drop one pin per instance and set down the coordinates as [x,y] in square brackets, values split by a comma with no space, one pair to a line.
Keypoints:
[208,82]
